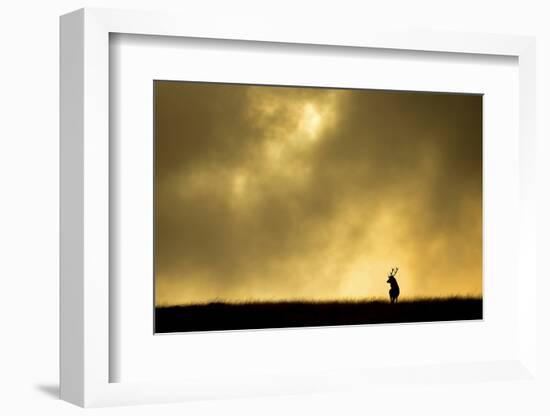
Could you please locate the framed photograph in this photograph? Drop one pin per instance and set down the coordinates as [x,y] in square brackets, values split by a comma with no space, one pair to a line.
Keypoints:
[267,211]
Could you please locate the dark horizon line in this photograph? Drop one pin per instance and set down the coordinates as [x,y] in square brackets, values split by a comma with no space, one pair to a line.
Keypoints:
[379,299]
[247,316]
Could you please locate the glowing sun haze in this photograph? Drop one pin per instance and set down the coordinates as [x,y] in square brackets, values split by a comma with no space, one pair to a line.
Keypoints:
[271,193]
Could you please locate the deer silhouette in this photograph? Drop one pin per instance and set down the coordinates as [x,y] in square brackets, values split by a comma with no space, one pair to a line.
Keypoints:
[394,287]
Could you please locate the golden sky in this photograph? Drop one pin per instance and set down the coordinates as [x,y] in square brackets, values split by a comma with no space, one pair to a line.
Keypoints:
[268,193]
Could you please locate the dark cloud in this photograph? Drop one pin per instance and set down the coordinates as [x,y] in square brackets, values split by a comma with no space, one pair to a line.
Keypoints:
[272,192]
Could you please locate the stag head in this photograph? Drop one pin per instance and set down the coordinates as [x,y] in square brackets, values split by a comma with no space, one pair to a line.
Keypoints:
[392,274]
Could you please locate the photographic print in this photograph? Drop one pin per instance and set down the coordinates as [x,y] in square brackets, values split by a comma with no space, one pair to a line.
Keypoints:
[290,206]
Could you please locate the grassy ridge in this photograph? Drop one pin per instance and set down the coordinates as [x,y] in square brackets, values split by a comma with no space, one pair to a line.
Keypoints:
[285,314]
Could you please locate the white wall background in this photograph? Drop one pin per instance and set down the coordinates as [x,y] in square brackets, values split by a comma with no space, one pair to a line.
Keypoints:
[29,187]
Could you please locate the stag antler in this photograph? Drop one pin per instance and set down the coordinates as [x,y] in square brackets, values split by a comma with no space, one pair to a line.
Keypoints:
[394,271]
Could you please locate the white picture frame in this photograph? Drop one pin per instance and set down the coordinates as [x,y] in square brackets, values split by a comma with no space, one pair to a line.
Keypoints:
[85,355]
